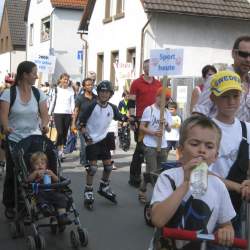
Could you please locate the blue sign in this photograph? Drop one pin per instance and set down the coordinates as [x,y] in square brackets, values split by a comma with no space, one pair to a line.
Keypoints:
[165,62]
[79,55]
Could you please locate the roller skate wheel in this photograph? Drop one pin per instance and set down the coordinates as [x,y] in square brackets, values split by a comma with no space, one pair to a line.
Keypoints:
[40,242]
[31,243]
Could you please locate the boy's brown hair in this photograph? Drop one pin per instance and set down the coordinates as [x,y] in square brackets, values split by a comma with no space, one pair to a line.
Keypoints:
[38,156]
[198,120]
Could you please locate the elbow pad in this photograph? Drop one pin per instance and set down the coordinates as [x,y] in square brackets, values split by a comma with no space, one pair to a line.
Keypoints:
[131,104]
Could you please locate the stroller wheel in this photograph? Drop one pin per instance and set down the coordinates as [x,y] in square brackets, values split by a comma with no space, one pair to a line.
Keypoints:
[31,243]
[74,239]
[83,236]
[53,225]
[9,213]
[147,214]
[40,242]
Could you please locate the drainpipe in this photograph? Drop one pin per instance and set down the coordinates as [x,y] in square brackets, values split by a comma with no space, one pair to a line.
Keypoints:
[142,42]
[51,49]
[85,54]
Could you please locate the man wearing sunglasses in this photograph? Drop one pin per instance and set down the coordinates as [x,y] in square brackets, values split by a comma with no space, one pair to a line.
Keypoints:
[241,66]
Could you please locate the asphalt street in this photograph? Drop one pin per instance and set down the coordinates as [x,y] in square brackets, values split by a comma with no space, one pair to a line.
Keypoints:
[109,226]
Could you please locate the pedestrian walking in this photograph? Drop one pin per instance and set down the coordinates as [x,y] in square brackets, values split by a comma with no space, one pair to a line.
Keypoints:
[241,65]
[62,108]
[142,94]
[82,103]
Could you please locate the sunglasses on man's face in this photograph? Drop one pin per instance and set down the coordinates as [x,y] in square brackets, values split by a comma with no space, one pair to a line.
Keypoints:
[243,54]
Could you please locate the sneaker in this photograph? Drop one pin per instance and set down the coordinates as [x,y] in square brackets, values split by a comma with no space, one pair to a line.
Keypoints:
[45,209]
[63,219]
[114,167]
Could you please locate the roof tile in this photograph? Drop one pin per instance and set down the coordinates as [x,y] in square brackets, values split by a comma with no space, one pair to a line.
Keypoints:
[15,12]
[74,4]
[239,9]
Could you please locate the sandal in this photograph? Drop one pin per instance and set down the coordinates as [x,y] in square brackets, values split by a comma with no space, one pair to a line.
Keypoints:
[142,197]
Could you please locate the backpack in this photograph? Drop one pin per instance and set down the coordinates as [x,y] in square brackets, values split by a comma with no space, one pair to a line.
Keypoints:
[35,91]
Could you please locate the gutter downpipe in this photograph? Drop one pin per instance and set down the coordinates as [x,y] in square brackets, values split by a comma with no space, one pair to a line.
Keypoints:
[51,52]
[142,42]
[85,54]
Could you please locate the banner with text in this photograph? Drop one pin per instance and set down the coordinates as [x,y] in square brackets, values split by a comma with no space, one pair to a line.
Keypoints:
[165,62]
[45,64]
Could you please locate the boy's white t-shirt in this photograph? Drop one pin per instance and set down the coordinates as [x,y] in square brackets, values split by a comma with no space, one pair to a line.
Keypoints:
[151,114]
[174,134]
[214,207]
[229,146]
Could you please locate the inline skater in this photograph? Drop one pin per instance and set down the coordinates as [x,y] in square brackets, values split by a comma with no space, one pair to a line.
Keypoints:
[94,126]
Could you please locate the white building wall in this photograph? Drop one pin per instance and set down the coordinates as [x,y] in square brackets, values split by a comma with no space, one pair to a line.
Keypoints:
[64,38]
[118,35]
[205,40]
[66,43]
[9,62]
[37,12]
[4,65]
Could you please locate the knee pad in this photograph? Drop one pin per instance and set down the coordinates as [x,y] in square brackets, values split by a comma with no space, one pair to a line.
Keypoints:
[91,169]
[107,168]
[147,177]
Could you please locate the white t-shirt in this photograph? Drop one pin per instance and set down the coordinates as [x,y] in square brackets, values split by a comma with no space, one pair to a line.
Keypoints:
[229,146]
[65,101]
[174,134]
[202,214]
[24,117]
[151,114]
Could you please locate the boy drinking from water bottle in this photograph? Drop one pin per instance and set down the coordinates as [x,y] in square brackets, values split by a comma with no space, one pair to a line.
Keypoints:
[47,198]
[173,204]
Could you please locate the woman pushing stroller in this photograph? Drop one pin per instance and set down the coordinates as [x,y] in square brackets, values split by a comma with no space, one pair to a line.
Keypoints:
[23,113]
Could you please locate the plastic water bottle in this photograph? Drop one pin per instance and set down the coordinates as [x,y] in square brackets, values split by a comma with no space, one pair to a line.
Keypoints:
[198,180]
[46,179]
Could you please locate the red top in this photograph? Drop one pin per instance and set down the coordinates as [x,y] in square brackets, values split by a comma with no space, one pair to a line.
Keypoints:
[145,93]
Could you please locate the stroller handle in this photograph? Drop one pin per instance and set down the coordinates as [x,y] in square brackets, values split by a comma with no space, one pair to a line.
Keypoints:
[57,185]
[180,234]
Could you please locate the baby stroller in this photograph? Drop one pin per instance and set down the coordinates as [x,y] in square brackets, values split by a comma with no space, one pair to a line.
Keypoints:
[153,178]
[27,213]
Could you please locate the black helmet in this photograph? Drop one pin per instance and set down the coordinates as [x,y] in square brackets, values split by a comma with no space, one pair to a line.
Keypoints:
[105,85]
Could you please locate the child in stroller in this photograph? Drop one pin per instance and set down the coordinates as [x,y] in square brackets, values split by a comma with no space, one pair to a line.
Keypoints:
[32,195]
[46,198]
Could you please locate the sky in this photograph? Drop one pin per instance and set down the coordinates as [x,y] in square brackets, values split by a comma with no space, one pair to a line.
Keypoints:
[1,8]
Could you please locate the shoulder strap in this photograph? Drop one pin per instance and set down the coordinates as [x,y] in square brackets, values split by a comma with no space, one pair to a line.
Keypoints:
[12,96]
[244,130]
[36,93]
[172,183]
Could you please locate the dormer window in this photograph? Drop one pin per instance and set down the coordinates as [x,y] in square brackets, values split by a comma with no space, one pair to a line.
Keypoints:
[45,29]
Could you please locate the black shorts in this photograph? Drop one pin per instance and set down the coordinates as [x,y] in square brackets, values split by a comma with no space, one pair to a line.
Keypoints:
[98,151]
[172,145]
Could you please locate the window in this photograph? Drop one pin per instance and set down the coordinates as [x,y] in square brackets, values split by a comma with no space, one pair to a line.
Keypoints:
[99,75]
[45,29]
[31,35]
[6,43]
[131,57]
[107,17]
[2,45]
[114,60]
